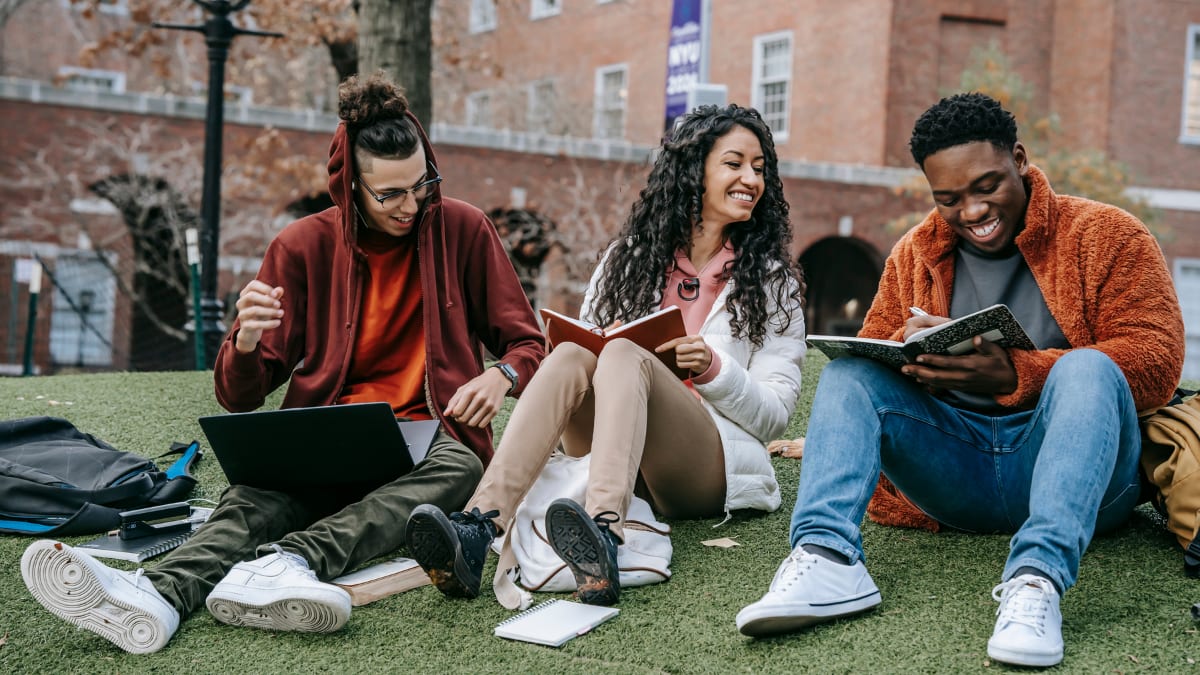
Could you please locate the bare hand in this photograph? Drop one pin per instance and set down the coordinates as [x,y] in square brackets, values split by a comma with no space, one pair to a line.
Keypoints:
[987,371]
[917,323]
[259,310]
[691,353]
[477,402]
[793,449]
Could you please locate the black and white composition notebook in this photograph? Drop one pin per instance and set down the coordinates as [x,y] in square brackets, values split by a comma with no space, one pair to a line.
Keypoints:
[554,622]
[953,338]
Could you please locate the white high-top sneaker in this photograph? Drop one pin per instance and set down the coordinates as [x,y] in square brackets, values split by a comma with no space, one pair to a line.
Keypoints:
[278,592]
[121,607]
[808,589]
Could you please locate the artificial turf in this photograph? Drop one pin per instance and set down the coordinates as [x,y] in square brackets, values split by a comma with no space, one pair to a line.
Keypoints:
[1128,613]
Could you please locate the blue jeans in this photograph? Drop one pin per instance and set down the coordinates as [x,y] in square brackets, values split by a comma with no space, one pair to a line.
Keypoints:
[1054,475]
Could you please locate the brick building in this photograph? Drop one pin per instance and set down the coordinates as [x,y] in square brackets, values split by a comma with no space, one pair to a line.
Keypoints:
[556,105]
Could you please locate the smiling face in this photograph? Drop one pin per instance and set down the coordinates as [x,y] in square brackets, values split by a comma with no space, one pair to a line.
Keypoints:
[397,216]
[733,178]
[980,192]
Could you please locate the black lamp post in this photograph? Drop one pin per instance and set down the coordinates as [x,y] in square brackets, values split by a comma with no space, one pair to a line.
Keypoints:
[218,32]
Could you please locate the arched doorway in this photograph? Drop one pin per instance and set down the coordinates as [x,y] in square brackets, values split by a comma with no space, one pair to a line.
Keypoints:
[842,275]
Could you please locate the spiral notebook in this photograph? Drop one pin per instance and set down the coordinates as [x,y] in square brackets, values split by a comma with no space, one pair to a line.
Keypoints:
[554,622]
[137,550]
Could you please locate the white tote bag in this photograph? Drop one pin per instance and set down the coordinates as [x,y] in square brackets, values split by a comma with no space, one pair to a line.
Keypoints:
[529,563]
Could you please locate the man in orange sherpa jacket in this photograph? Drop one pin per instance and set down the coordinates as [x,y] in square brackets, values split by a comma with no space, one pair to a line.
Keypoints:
[1043,443]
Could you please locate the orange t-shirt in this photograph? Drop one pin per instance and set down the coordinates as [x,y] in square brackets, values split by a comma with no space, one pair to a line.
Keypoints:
[388,359]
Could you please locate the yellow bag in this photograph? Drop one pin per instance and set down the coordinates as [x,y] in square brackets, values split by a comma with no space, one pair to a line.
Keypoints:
[1171,462]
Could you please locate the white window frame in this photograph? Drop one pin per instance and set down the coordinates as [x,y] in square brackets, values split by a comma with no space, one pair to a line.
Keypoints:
[115,78]
[478,107]
[482,16]
[535,114]
[599,106]
[542,9]
[1186,284]
[1191,88]
[757,82]
[113,7]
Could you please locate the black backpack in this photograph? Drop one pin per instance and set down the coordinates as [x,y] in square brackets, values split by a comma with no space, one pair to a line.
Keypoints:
[58,480]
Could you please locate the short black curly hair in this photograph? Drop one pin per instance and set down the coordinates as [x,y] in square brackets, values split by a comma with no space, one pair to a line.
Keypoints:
[959,119]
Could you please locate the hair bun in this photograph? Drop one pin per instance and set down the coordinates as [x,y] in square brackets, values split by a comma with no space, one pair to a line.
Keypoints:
[363,102]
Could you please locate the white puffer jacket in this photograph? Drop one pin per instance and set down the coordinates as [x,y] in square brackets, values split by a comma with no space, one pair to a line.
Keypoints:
[751,399]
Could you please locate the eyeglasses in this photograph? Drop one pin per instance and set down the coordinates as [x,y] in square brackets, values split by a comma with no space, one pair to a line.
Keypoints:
[418,191]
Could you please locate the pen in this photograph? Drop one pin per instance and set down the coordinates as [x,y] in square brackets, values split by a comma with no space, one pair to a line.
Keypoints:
[917,311]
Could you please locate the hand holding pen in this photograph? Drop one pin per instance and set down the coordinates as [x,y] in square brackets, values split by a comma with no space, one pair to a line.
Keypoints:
[920,320]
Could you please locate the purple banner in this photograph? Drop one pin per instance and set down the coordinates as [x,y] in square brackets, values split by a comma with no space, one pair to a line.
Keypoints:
[684,53]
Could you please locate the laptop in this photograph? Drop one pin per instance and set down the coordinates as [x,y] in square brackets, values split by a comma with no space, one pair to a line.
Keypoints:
[357,446]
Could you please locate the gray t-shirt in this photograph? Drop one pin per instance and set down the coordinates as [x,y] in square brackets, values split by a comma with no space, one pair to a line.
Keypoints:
[982,280]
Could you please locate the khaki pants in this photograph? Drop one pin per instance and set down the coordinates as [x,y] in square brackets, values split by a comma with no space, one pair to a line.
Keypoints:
[632,414]
[334,532]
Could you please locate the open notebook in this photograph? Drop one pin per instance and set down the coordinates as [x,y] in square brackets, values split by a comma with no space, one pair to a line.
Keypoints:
[554,622]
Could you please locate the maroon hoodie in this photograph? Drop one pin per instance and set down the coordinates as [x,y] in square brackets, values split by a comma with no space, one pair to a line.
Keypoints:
[471,298]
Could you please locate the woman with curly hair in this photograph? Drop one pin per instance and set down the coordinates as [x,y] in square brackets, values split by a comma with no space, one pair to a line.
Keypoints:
[389,295]
[709,234]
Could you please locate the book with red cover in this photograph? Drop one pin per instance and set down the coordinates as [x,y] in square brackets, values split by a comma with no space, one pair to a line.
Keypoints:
[647,332]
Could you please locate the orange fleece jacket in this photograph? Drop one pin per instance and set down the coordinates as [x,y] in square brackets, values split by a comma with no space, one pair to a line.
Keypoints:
[1105,282]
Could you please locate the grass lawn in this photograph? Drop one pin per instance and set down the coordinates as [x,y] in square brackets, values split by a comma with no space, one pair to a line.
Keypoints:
[1128,613]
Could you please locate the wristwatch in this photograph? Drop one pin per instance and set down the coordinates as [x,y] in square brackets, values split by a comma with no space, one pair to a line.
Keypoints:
[511,374]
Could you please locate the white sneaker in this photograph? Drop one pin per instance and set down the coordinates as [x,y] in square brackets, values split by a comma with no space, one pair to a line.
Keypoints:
[278,592]
[119,606]
[807,590]
[1029,624]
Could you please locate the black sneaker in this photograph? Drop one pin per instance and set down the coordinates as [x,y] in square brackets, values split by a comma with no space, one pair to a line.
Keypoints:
[451,550]
[588,547]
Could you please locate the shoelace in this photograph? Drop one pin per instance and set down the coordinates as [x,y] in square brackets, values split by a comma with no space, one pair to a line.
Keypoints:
[474,516]
[297,562]
[793,567]
[605,519]
[1024,600]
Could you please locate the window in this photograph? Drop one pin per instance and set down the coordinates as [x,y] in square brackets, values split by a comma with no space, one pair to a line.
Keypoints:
[86,79]
[1191,87]
[772,79]
[81,322]
[1187,287]
[113,7]
[543,107]
[540,9]
[479,109]
[612,93]
[483,16]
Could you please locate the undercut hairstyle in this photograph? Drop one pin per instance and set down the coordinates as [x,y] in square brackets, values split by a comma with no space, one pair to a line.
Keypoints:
[375,112]
[959,119]
[661,220]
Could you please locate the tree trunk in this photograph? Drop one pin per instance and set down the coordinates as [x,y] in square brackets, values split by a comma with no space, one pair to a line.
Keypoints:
[396,36]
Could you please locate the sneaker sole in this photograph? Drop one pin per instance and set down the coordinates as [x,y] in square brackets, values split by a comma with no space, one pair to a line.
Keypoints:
[1018,658]
[297,614]
[573,536]
[435,546]
[67,585]
[768,621]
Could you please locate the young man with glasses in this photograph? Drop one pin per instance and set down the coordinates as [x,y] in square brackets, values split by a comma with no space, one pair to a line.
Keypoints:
[390,295]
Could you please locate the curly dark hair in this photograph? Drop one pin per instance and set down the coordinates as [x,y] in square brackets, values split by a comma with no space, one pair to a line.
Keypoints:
[959,119]
[660,223]
[375,112]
